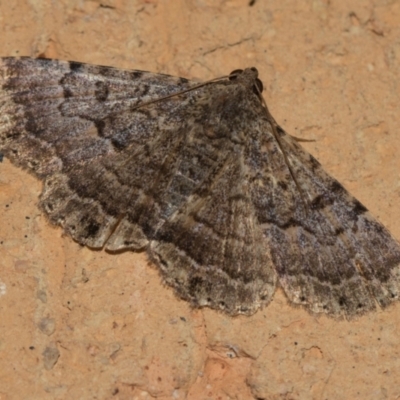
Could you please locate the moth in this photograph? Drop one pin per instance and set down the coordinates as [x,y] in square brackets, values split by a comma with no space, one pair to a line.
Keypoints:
[202,178]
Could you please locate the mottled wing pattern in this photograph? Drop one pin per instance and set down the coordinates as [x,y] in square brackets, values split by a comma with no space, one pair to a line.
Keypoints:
[212,250]
[71,124]
[330,254]
[154,177]
[199,180]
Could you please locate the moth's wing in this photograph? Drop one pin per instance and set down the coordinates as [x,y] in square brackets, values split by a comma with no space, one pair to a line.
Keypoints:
[72,125]
[212,251]
[330,254]
[49,105]
[169,174]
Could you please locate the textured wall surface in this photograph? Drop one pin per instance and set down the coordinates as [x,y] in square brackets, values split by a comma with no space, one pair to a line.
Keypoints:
[76,323]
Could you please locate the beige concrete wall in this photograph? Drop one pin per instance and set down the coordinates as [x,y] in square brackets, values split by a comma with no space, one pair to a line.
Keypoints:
[80,324]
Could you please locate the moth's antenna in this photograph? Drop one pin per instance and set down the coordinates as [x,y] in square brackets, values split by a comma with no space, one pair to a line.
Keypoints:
[146,103]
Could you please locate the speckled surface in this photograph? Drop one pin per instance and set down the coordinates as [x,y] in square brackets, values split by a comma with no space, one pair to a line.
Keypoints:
[85,324]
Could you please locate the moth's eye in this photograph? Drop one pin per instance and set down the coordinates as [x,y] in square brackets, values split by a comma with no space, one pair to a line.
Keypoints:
[254,69]
[258,86]
[233,75]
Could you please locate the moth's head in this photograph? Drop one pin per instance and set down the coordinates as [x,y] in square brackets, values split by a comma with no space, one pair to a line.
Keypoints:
[249,78]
